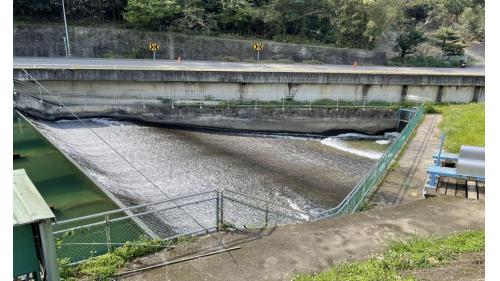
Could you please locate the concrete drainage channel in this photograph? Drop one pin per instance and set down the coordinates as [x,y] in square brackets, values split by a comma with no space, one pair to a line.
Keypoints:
[210,211]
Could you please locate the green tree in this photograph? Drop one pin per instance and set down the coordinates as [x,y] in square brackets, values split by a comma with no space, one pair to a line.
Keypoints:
[39,8]
[152,13]
[308,19]
[349,23]
[408,40]
[234,16]
[444,35]
[453,8]
[382,15]
[472,23]
[448,39]
[453,49]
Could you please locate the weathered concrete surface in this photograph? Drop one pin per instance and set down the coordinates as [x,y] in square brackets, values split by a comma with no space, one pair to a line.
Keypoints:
[405,182]
[171,71]
[324,121]
[280,253]
[95,42]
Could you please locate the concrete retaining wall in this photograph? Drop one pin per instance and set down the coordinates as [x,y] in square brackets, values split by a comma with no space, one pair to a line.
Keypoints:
[325,121]
[80,92]
[91,42]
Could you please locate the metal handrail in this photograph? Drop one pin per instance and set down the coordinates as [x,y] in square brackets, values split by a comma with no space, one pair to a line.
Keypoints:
[265,201]
[131,208]
[131,216]
[264,210]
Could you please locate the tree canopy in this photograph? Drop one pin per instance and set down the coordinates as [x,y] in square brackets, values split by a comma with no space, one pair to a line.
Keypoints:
[341,23]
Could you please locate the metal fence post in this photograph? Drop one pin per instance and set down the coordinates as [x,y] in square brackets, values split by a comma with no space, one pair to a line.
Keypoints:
[266,218]
[217,211]
[85,100]
[108,233]
[41,96]
[221,208]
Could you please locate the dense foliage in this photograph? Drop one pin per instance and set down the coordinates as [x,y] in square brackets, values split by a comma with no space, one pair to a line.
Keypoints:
[342,23]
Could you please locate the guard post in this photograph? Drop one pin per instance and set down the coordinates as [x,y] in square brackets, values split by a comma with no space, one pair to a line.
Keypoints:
[154,47]
[258,46]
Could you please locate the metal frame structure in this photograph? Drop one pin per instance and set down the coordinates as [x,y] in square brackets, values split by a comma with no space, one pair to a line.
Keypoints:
[436,170]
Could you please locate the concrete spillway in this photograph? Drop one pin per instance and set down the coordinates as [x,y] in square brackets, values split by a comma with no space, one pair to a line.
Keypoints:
[300,172]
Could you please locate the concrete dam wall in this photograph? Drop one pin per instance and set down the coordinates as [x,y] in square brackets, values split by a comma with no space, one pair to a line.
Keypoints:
[313,120]
[260,97]
[91,42]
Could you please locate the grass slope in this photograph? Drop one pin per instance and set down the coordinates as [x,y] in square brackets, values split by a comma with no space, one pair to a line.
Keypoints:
[463,124]
[416,253]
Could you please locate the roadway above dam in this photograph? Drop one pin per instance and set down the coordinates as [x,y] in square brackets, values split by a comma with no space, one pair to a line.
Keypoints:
[75,69]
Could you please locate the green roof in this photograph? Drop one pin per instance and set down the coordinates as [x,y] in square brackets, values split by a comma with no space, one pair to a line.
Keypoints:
[29,206]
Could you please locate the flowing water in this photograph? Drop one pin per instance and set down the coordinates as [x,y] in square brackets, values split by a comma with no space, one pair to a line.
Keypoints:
[308,174]
[305,173]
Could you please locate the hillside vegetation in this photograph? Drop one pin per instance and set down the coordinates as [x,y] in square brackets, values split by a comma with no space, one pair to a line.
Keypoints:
[340,23]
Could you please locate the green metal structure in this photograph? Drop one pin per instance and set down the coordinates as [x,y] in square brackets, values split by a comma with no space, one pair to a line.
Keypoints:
[33,241]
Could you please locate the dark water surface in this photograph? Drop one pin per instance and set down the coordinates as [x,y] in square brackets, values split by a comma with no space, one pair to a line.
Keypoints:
[59,182]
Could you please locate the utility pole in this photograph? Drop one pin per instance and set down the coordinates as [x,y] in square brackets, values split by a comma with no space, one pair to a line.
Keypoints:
[66,42]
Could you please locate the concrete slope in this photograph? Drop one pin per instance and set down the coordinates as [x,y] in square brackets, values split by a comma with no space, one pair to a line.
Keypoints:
[405,182]
[280,253]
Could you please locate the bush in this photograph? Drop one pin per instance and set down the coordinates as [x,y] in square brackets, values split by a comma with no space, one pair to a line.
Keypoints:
[425,61]
[101,267]
[104,266]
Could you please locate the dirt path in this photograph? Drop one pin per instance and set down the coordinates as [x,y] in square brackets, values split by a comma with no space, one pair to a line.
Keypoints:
[405,183]
[281,252]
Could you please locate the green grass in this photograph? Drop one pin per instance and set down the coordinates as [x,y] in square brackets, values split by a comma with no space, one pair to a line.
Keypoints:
[463,124]
[103,267]
[417,252]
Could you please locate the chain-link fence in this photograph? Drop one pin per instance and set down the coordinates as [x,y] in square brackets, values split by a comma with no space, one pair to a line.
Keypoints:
[83,237]
[352,201]
[245,211]
[93,235]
